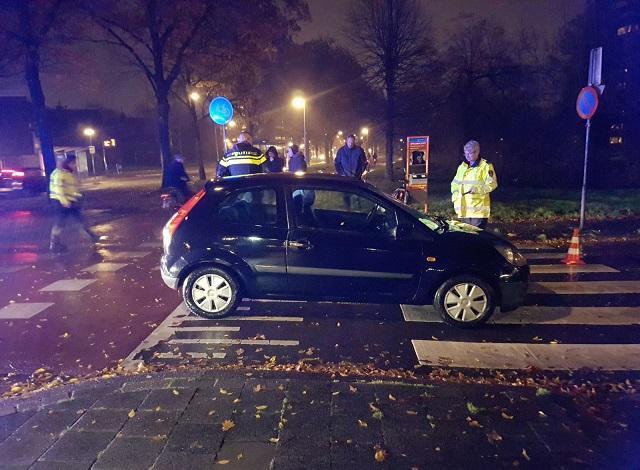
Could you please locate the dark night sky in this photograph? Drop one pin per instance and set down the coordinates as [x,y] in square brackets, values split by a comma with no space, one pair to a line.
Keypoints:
[101,79]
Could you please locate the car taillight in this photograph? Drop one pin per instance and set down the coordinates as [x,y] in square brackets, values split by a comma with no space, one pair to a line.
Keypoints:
[179,217]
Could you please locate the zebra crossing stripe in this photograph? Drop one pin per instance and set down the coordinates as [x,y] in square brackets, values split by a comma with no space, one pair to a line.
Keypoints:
[540,315]
[522,355]
[207,328]
[252,318]
[549,255]
[571,269]
[585,287]
[227,341]
[192,355]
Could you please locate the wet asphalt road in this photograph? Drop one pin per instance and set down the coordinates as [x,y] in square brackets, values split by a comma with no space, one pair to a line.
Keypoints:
[116,307]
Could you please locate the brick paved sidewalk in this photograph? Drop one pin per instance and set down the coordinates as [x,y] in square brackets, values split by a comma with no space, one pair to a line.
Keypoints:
[222,420]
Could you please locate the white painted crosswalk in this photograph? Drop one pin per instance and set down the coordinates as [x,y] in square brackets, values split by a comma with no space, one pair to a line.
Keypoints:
[546,356]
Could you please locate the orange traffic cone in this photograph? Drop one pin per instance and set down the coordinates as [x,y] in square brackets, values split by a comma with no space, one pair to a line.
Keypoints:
[573,255]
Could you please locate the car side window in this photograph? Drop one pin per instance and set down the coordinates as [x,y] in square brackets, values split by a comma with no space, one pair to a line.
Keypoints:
[342,210]
[249,207]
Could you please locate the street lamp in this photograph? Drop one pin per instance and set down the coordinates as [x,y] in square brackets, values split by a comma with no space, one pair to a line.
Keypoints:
[194,96]
[90,132]
[300,103]
[364,131]
[232,124]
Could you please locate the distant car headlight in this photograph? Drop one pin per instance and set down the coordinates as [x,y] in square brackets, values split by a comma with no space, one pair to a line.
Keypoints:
[512,255]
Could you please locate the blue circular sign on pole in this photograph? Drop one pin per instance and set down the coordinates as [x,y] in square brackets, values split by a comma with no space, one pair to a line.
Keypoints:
[221,110]
[587,102]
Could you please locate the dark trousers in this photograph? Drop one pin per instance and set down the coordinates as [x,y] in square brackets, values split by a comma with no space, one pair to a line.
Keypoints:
[64,217]
[476,222]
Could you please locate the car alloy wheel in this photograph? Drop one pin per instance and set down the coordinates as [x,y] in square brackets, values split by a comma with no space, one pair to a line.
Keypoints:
[212,293]
[465,302]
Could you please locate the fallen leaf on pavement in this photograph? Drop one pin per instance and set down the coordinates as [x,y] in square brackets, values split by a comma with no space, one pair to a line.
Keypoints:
[493,437]
[352,389]
[506,416]
[239,456]
[261,407]
[473,409]
[274,440]
[16,389]
[228,424]
[373,407]
[412,413]
[525,455]
[363,424]
[258,388]
[392,398]
[473,423]
[224,392]
[132,413]
[175,392]
[380,455]
[542,392]
[222,462]
[377,415]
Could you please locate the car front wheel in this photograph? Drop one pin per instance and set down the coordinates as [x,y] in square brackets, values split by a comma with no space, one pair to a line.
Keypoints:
[465,301]
[211,292]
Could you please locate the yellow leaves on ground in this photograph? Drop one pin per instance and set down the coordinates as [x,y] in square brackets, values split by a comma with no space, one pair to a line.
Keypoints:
[261,407]
[380,455]
[16,389]
[392,398]
[363,424]
[493,437]
[227,424]
[132,413]
[222,462]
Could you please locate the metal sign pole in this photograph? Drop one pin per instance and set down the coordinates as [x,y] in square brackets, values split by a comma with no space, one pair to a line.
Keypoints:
[584,175]
[224,138]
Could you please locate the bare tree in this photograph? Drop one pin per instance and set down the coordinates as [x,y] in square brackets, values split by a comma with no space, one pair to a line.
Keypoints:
[27,29]
[157,35]
[392,37]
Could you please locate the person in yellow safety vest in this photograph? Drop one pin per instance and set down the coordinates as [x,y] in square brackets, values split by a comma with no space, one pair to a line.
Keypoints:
[65,196]
[470,188]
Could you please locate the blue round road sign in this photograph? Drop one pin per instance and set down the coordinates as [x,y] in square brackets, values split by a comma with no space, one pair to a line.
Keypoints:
[587,102]
[221,110]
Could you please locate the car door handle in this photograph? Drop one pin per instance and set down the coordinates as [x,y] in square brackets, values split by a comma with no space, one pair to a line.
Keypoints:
[302,245]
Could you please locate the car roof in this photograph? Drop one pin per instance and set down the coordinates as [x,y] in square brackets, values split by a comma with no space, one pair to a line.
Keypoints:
[232,182]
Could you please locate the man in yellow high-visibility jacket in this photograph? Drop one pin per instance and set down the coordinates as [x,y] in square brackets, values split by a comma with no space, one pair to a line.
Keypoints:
[471,186]
[65,197]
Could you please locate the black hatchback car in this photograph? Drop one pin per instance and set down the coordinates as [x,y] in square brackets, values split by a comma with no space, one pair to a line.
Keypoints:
[329,238]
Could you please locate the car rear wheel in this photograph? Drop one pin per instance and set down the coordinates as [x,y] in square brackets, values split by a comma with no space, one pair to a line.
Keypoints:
[465,301]
[211,292]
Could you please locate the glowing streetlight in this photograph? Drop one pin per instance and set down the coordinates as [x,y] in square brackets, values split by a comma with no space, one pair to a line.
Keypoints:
[194,96]
[90,132]
[232,124]
[340,133]
[300,103]
[364,131]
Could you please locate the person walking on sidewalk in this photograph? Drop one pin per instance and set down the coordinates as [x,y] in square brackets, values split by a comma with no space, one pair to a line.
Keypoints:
[351,160]
[275,163]
[65,196]
[470,188]
[297,160]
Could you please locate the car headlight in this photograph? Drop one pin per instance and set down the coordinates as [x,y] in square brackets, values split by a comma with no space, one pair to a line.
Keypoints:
[512,255]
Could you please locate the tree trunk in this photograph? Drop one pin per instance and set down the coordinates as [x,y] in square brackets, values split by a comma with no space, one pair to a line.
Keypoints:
[163,109]
[32,77]
[194,117]
[389,131]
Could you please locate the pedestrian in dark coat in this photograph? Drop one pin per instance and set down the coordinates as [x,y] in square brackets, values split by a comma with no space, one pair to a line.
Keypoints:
[351,160]
[297,160]
[177,178]
[275,163]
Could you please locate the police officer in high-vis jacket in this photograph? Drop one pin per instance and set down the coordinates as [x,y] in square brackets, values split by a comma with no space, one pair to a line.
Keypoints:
[242,159]
[471,186]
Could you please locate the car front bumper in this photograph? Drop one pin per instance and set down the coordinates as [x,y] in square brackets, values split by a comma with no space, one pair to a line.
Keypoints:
[513,287]
[169,279]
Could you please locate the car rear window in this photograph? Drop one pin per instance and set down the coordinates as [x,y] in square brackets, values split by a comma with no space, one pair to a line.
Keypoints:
[249,207]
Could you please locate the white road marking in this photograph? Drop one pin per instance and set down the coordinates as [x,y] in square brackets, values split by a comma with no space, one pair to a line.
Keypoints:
[254,318]
[522,355]
[540,315]
[68,285]
[250,342]
[126,254]
[554,255]
[585,287]
[104,267]
[11,269]
[571,269]
[193,355]
[208,328]
[23,310]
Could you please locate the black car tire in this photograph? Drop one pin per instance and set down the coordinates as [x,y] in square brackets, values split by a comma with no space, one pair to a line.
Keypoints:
[211,272]
[459,287]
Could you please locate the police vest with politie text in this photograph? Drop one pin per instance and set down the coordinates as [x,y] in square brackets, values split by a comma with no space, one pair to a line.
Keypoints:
[242,159]
[470,189]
